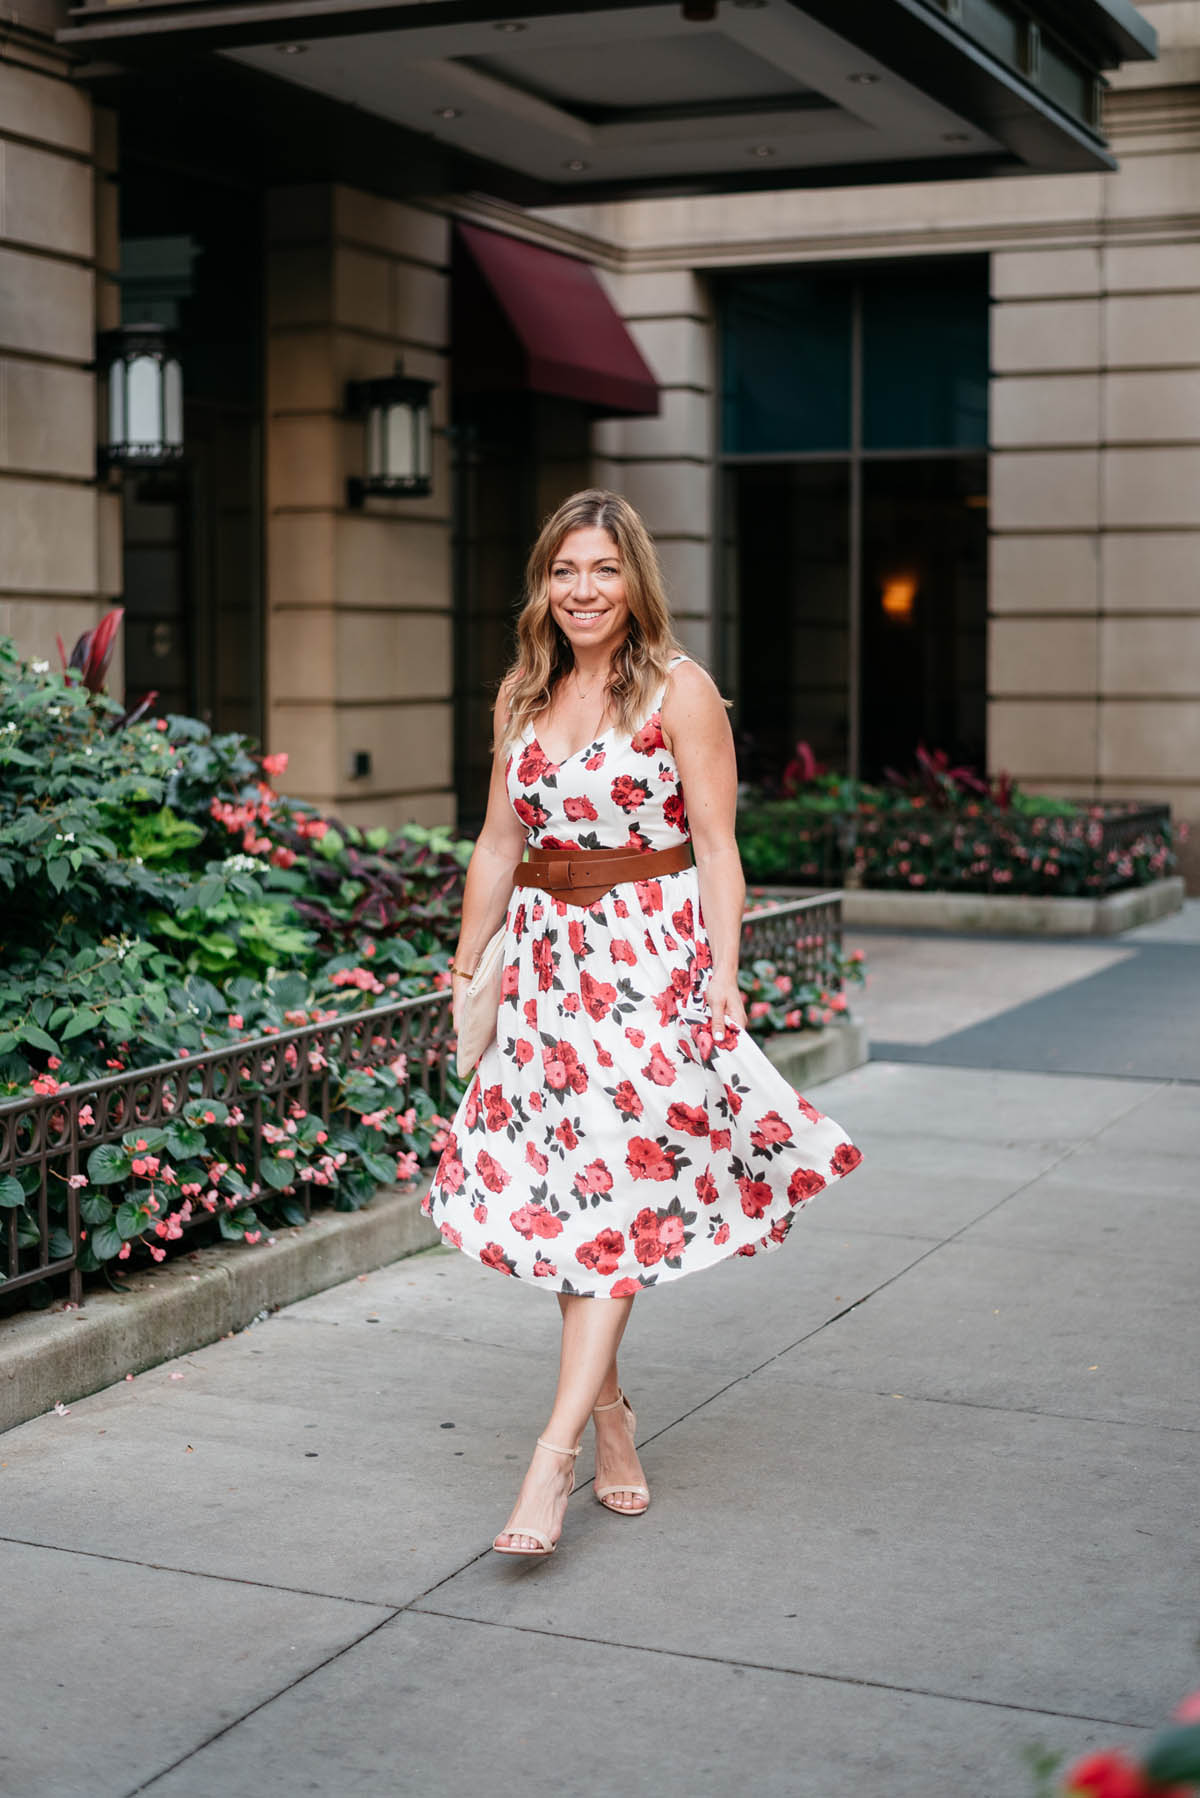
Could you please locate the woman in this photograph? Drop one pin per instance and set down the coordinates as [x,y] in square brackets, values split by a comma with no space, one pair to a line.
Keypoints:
[622,1129]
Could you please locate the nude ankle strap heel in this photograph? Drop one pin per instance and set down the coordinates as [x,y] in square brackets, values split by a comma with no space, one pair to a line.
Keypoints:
[602,1492]
[519,1529]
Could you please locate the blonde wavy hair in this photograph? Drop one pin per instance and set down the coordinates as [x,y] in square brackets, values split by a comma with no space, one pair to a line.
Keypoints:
[544,656]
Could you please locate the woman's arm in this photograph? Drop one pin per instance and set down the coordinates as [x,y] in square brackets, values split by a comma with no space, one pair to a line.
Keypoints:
[499,847]
[695,720]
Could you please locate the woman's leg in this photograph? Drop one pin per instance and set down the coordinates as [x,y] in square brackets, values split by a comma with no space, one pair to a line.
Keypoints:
[592,1330]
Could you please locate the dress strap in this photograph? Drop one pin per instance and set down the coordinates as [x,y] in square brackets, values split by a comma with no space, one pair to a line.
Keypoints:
[662,691]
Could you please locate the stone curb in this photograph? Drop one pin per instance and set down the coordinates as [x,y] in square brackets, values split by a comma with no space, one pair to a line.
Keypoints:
[56,1355]
[1003,914]
[48,1357]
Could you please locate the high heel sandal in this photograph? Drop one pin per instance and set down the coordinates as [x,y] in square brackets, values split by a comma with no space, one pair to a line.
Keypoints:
[625,1486]
[516,1529]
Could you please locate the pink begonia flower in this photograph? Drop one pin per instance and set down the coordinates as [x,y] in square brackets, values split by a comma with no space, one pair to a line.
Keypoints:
[86,1116]
[77,1180]
[1188,1709]
[275,764]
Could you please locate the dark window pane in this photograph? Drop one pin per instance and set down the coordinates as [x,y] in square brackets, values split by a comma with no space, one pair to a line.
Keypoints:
[925,358]
[786,364]
[790,524]
[924,611]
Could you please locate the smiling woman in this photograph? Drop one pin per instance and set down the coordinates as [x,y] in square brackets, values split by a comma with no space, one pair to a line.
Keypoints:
[622,1129]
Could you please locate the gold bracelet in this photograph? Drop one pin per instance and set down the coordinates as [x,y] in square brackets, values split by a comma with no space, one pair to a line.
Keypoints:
[463,971]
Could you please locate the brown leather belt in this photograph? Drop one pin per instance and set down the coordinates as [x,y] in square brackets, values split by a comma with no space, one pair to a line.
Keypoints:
[581,876]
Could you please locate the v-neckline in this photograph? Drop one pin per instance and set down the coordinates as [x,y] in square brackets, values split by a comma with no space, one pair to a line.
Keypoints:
[575,754]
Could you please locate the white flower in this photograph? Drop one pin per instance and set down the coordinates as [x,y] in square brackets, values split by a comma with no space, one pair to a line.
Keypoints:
[40,667]
[64,836]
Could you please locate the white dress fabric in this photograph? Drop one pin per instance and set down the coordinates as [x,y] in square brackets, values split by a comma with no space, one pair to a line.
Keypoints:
[607,1143]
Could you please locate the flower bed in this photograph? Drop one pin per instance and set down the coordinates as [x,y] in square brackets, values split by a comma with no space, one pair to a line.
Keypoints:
[840,832]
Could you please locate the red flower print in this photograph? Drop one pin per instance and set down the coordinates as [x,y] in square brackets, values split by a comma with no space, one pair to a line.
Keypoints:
[471,1108]
[706,1188]
[683,920]
[620,949]
[649,894]
[598,995]
[735,1099]
[628,793]
[490,1172]
[658,1068]
[596,761]
[673,996]
[577,807]
[624,1289]
[670,942]
[450,1171]
[594,1178]
[563,1068]
[781,1226]
[627,1101]
[492,1255]
[543,961]
[603,1253]
[531,813]
[636,1037]
[692,1120]
[603,1058]
[566,1135]
[650,737]
[480,1214]
[656,1238]
[535,1158]
[534,1220]
[637,840]
[770,1129]
[522,1052]
[647,1161]
[499,1111]
[673,810]
[576,937]
[810,1111]
[520,923]
[533,764]
[651,945]
[570,1002]
[845,1157]
[535,1101]
[510,981]
[451,1234]
[531,1013]
[756,1195]
[803,1184]
[722,1235]
[545,1270]
[721,1139]
[620,908]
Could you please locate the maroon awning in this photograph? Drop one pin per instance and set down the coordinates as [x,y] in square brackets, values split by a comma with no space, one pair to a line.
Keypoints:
[527,318]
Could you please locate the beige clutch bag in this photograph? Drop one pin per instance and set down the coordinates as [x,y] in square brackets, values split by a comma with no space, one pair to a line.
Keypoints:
[480,1006]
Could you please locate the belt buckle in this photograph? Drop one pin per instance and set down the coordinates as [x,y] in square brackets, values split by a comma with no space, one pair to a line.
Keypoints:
[558,872]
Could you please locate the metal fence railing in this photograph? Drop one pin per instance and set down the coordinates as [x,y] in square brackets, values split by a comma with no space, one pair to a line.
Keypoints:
[47,1138]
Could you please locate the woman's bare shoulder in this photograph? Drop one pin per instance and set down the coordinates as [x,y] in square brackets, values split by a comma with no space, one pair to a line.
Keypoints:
[692,701]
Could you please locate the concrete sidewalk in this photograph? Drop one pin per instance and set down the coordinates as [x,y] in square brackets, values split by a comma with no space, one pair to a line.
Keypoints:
[924,1485]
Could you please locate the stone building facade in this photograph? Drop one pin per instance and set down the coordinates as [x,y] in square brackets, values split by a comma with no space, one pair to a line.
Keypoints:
[355,654]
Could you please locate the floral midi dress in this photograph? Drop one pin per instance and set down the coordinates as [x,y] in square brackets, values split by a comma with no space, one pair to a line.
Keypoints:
[607,1142]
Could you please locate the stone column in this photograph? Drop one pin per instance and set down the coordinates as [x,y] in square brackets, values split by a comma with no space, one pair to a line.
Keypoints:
[358,600]
[59,536]
[664,465]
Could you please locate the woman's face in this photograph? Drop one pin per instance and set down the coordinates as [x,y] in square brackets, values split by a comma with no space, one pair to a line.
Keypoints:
[587,592]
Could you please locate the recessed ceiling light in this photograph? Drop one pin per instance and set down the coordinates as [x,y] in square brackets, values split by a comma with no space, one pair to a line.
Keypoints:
[291,49]
[575,165]
[446,112]
[864,78]
[762,149]
[509,25]
[956,137]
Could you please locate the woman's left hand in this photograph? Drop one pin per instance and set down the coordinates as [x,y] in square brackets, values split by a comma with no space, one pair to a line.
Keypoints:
[725,1003]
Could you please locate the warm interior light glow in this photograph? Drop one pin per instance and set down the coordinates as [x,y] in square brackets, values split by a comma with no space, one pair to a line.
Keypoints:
[899,592]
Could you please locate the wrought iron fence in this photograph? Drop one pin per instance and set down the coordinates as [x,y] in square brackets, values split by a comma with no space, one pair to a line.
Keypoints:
[54,1133]
[1119,830]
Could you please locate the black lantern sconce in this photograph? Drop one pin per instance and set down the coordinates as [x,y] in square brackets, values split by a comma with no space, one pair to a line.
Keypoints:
[399,436]
[143,410]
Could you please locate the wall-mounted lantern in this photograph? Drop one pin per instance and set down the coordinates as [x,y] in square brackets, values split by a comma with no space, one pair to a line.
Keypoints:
[399,436]
[142,419]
